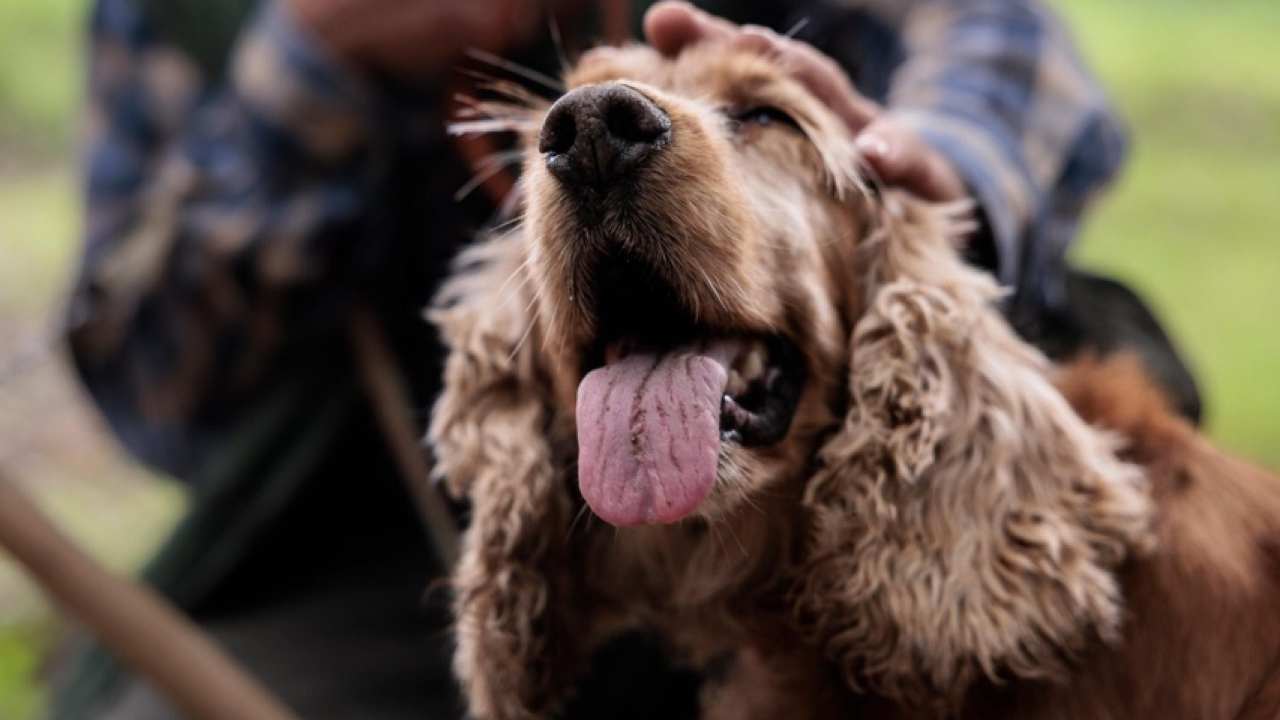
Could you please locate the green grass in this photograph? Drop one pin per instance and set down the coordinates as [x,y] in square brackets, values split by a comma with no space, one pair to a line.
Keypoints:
[40,61]
[1193,221]
[20,647]
[40,65]
[39,216]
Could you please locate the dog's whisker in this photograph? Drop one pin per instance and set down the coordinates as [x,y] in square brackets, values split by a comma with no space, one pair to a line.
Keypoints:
[513,200]
[512,91]
[714,290]
[520,343]
[558,42]
[477,108]
[535,296]
[552,320]
[515,68]
[729,528]
[510,224]
[754,504]
[521,285]
[474,114]
[520,272]
[582,512]
[795,29]
[492,104]
[506,90]
[489,166]
[719,536]
[490,125]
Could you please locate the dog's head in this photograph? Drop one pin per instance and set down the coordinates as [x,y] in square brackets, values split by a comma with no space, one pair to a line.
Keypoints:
[692,237]
[719,308]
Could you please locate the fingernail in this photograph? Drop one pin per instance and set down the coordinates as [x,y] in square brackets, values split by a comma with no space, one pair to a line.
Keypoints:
[872,144]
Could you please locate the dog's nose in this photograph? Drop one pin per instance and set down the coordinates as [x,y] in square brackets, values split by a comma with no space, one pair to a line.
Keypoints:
[596,134]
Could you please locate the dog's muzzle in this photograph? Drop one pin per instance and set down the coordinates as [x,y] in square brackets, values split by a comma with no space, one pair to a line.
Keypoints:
[598,134]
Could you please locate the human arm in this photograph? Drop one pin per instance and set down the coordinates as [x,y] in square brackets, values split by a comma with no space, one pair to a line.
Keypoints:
[225,226]
[999,89]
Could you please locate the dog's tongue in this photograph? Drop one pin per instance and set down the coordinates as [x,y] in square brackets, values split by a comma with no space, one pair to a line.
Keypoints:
[649,433]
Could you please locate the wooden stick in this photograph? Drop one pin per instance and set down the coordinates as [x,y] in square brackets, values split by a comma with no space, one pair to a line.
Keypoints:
[387,391]
[134,622]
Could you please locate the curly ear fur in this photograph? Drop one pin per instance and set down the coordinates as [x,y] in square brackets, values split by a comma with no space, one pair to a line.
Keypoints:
[489,431]
[966,521]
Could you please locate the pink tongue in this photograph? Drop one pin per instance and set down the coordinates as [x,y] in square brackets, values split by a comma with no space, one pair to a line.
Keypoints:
[649,433]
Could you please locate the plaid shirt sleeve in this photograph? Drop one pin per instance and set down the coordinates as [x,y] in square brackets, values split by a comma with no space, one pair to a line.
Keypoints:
[998,88]
[223,222]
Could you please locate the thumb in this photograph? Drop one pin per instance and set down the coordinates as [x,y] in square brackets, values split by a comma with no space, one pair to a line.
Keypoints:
[901,158]
[670,26]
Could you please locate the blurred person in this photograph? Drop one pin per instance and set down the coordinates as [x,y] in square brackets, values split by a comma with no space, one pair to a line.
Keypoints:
[255,170]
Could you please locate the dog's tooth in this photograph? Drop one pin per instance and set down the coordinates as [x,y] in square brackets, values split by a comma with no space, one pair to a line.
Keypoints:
[753,362]
[736,385]
[732,415]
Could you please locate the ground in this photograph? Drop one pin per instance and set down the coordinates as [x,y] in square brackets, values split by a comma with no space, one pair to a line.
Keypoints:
[1191,225]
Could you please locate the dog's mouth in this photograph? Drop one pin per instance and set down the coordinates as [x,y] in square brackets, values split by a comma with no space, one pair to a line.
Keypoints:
[661,398]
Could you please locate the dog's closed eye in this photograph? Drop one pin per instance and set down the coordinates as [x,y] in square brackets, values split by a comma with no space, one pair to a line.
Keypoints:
[756,116]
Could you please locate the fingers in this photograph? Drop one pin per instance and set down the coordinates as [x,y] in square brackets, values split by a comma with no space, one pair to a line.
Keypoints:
[900,157]
[895,151]
[670,26]
[821,75]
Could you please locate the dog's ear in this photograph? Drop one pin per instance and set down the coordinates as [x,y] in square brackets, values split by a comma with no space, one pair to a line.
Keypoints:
[490,434]
[491,397]
[966,521]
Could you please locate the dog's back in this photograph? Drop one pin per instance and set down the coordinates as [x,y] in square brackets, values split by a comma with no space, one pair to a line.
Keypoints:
[1201,637]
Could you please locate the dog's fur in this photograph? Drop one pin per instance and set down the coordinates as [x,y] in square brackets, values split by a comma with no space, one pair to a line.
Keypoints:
[951,526]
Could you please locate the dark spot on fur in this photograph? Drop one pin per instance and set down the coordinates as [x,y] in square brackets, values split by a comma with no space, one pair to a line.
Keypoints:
[1270,549]
[1182,479]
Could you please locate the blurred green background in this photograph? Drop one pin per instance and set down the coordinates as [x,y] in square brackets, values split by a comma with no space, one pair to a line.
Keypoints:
[1192,224]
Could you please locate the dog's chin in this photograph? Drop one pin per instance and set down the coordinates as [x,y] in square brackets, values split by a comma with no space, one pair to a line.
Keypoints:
[667,407]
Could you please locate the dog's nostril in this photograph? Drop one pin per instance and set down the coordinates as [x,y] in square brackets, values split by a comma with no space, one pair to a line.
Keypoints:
[559,131]
[596,134]
[632,118]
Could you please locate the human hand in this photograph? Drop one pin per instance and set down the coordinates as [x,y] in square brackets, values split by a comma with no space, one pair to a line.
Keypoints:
[414,38]
[895,151]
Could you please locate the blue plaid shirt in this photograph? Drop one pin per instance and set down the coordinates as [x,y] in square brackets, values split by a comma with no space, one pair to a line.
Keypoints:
[230,222]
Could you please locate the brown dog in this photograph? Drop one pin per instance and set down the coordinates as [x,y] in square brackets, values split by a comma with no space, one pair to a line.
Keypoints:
[716,386]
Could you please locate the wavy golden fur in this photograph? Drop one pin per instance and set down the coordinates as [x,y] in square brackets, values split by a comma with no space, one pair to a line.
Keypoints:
[951,526]
[966,521]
